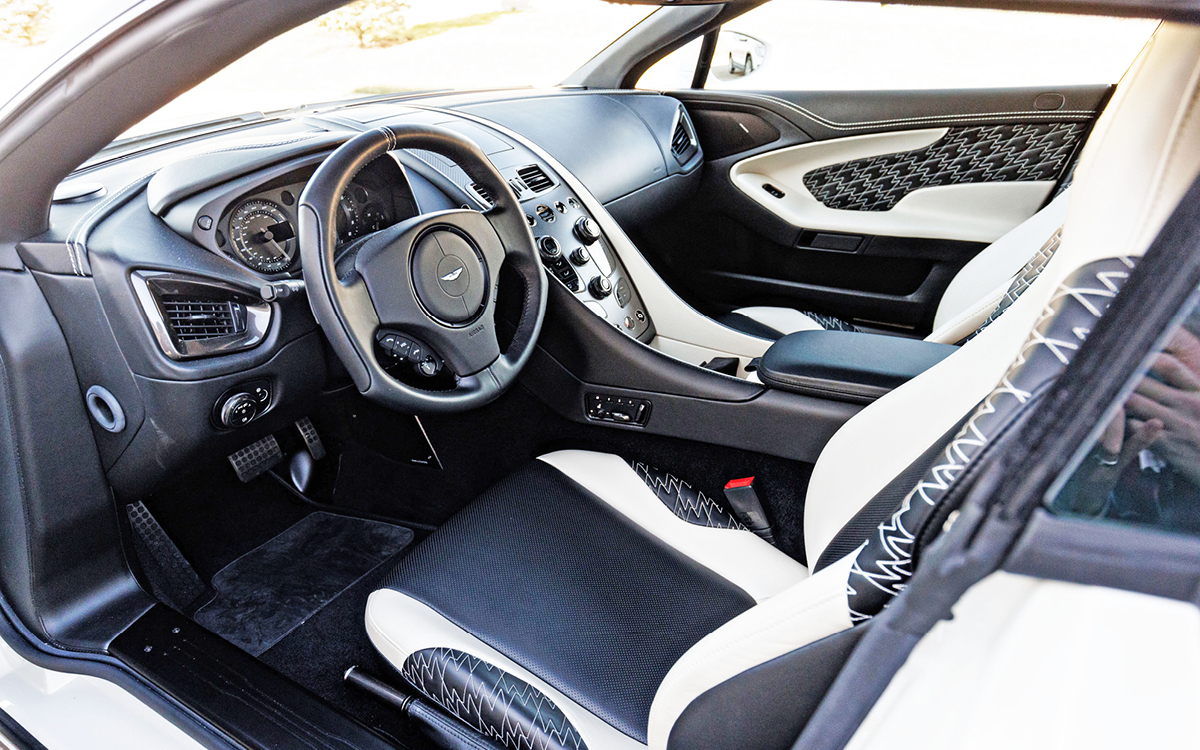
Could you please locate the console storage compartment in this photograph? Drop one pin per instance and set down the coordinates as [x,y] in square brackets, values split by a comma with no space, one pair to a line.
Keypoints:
[847,366]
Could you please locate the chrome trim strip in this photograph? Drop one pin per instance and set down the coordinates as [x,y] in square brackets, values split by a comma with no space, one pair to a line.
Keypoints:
[258,319]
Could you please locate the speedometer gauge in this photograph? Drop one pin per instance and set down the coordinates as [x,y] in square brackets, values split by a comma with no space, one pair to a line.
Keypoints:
[263,238]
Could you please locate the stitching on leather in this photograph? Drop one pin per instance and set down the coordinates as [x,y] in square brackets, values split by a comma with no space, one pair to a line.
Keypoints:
[864,124]
[77,237]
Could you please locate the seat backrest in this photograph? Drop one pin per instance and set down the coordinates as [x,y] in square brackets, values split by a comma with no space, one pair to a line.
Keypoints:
[1134,168]
[982,284]
[1140,159]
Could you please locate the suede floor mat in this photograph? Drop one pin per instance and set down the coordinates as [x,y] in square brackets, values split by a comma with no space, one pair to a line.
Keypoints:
[273,589]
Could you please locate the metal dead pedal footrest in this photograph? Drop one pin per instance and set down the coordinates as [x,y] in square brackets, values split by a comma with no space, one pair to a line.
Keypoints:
[254,459]
[311,438]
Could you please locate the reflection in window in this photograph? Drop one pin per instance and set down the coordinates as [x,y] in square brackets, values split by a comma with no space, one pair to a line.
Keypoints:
[1144,467]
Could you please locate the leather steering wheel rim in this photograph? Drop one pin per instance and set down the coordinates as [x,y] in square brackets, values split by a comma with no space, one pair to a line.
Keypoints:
[400,281]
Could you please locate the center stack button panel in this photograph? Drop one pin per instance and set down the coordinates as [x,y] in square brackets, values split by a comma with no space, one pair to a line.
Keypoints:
[576,252]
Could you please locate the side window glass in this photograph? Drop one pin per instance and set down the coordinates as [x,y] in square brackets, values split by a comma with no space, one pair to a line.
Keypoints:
[1143,465]
[836,45]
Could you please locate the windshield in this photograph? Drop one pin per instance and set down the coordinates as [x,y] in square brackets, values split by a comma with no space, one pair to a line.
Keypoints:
[375,47]
[368,47]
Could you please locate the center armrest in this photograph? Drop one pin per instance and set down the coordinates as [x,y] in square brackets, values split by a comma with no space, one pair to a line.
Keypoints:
[845,365]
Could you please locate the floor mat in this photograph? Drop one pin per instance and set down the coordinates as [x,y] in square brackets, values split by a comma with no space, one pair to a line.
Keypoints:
[268,592]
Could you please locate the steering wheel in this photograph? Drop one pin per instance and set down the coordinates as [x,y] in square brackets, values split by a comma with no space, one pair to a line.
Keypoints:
[433,277]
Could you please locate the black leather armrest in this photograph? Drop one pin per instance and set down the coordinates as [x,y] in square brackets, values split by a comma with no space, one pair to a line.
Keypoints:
[845,365]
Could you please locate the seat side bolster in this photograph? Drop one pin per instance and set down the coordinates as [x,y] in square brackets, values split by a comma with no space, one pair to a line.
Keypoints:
[807,612]
[968,321]
[736,555]
[782,319]
[400,626]
[998,263]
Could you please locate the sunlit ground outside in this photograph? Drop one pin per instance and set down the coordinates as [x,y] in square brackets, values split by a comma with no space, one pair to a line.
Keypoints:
[384,46]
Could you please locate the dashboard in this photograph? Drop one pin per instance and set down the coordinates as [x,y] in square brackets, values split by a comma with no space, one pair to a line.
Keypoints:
[181,249]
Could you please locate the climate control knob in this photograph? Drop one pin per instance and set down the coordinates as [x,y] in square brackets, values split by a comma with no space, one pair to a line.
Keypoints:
[600,287]
[587,230]
[548,246]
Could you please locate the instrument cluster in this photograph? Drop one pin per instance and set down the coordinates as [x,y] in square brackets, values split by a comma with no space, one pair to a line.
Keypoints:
[260,228]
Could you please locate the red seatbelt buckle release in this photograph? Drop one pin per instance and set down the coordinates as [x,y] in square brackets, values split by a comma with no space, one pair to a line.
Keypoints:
[745,505]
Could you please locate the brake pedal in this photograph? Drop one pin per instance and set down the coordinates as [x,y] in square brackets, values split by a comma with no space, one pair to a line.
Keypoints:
[254,459]
[311,438]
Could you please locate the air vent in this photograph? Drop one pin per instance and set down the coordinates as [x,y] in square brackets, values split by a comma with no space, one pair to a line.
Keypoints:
[484,193]
[534,178]
[682,143]
[197,320]
[192,317]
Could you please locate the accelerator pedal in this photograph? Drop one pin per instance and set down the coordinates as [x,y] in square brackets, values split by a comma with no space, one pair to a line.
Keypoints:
[311,439]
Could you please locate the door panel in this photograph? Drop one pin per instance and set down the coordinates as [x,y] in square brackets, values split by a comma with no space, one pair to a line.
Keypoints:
[973,183]
[860,204]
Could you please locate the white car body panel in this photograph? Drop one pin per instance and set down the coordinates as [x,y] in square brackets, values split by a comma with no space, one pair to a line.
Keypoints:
[69,711]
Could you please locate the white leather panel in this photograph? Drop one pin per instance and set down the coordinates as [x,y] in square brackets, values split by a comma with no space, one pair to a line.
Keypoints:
[968,321]
[1043,664]
[1141,157]
[1138,163]
[738,556]
[782,319]
[399,625]
[700,354]
[807,612]
[998,262]
[980,212]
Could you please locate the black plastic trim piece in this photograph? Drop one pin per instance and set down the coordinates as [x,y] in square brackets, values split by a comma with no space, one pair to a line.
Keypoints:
[775,423]
[255,705]
[1095,552]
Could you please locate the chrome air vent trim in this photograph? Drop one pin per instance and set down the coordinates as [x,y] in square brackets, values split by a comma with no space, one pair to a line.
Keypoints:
[535,178]
[193,317]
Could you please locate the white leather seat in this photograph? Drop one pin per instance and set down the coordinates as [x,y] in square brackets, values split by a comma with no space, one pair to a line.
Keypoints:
[972,295]
[601,557]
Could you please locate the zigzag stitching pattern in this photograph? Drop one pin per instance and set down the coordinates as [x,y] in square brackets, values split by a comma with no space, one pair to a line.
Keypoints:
[998,153]
[685,501]
[890,572]
[499,706]
[1023,280]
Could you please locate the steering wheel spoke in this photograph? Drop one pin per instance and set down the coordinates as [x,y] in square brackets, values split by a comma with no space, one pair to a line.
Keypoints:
[434,277]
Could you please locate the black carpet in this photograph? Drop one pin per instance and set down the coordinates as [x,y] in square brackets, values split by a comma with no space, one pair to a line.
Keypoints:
[267,592]
[318,653]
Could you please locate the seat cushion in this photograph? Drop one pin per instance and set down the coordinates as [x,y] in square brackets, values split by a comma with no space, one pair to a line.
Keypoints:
[550,576]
